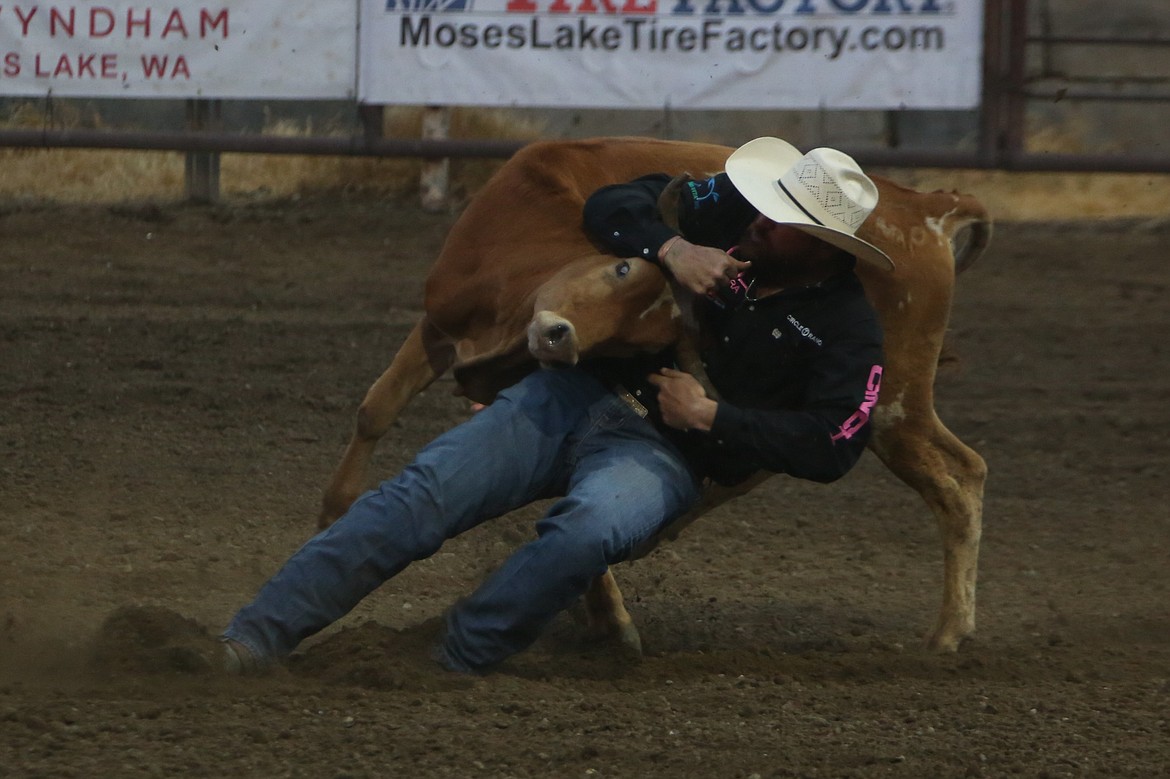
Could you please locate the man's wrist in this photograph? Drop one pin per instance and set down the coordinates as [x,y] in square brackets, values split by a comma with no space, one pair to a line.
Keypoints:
[704,415]
[665,248]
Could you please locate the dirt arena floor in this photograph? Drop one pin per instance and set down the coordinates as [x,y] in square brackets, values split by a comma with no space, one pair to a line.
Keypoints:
[177,384]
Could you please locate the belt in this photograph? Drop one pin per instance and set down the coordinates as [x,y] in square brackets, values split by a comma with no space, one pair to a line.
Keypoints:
[628,398]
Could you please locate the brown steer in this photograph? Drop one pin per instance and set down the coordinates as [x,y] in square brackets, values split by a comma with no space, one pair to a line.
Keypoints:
[517,280]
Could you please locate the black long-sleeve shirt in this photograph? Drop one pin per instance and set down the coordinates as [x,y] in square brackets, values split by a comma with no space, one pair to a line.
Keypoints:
[798,372]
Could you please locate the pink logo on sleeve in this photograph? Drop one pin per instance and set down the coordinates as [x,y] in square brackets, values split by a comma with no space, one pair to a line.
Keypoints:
[859,417]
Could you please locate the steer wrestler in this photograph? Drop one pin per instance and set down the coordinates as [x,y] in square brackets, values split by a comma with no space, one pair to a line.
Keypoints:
[791,345]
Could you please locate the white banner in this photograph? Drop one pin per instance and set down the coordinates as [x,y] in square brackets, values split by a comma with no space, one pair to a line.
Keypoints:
[688,54]
[147,48]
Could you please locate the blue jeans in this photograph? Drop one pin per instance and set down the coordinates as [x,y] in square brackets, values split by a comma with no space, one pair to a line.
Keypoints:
[557,432]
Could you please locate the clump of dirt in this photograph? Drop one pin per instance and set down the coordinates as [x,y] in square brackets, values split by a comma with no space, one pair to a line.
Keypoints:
[152,639]
[377,657]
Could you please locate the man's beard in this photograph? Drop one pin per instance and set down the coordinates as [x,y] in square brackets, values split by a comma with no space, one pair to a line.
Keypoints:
[775,272]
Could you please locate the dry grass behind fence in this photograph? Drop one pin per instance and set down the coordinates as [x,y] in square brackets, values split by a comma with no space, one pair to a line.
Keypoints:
[106,176]
[109,176]
[1049,196]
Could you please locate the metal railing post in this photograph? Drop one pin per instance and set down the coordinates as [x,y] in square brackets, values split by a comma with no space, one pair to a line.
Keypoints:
[1015,119]
[201,168]
[434,180]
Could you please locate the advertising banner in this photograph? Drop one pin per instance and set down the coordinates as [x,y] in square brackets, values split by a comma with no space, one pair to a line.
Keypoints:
[687,54]
[141,48]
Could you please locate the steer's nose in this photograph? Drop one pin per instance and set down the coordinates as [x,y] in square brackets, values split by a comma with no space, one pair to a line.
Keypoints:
[552,339]
[555,334]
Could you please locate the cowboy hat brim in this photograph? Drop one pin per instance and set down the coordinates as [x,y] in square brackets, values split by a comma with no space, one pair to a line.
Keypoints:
[756,168]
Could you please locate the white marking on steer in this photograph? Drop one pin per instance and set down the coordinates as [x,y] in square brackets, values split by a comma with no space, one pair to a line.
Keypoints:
[938,225]
[887,415]
[891,232]
[666,297]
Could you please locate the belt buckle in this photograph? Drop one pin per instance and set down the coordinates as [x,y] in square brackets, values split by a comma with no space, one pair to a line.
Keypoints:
[634,404]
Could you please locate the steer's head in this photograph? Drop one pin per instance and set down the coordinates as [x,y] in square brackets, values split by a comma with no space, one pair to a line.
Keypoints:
[602,305]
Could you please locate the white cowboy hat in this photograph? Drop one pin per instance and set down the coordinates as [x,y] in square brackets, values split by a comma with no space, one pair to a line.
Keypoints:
[823,193]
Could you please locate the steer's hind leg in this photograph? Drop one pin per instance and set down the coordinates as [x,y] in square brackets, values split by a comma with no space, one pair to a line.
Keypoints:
[422,358]
[606,614]
[605,611]
[949,476]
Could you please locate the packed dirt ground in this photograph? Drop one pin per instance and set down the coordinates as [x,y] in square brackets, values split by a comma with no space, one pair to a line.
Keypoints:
[177,385]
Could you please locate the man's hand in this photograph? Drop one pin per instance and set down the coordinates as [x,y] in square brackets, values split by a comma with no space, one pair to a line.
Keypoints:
[701,269]
[684,404]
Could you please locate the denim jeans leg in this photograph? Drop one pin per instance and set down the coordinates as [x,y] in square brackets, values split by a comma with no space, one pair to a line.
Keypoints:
[627,483]
[503,457]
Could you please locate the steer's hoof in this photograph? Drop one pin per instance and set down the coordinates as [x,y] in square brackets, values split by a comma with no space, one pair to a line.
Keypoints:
[947,639]
[624,639]
[628,641]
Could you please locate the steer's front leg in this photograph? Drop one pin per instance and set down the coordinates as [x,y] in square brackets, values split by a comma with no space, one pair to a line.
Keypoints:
[420,360]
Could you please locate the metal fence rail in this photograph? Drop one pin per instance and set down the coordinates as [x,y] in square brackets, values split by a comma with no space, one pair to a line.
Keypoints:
[218,141]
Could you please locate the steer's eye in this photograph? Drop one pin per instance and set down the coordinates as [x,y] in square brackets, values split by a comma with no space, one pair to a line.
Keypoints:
[622,268]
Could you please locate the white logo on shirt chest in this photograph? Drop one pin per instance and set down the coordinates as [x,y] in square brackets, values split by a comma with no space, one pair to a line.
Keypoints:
[804,331]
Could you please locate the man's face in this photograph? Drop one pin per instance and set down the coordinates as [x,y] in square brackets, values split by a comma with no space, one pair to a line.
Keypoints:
[782,252]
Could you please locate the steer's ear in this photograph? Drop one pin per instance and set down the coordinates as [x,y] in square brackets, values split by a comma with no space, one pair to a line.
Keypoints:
[481,377]
[668,201]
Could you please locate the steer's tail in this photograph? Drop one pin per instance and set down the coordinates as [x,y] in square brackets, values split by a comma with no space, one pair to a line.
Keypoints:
[969,226]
